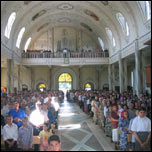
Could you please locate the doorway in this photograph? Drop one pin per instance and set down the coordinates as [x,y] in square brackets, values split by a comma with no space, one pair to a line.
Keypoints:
[65,82]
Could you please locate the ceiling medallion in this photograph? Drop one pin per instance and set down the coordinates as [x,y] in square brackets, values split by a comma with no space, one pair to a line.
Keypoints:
[64,20]
[86,26]
[91,14]
[65,7]
[41,27]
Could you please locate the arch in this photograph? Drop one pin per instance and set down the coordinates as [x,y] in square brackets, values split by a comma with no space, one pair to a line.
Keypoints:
[39,82]
[65,70]
[90,82]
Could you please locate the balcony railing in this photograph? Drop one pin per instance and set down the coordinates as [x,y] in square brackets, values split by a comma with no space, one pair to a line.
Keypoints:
[65,55]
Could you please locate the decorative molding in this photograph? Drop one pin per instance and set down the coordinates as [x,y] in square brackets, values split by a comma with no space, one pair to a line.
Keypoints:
[65,6]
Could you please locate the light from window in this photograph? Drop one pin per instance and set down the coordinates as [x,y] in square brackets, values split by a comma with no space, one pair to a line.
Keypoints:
[20,37]
[110,35]
[123,23]
[148,10]
[10,24]
[101,43]
[27,44]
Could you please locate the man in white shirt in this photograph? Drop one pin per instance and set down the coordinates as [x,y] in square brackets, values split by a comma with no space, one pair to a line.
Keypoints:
[141,127]
[10,134]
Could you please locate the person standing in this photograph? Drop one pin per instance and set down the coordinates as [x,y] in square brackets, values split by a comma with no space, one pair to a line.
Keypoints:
[141,127]
[10,134]
[25,135]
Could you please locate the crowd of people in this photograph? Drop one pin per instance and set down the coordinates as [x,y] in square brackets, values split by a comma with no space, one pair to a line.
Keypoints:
[35,113]
[121,116]
[29,114]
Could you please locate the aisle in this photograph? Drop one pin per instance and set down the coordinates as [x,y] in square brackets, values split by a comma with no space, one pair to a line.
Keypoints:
[78,133]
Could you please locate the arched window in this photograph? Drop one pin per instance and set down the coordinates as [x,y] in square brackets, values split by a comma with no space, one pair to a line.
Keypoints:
[10,24]
[101,43]
[65,77]
[123,23]
[20,37]
[88,86]
[27,44]
[110,35]
[41,87]
[146,8]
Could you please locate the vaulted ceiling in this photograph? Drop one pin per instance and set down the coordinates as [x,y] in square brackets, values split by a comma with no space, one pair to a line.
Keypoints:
[90,16]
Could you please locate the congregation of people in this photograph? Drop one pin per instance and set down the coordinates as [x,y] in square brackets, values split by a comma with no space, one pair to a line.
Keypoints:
[125,118]
[27,115]
[35,113]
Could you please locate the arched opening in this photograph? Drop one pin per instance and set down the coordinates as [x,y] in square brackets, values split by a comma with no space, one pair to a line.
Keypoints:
[88,86]
[41,87]
[65,82]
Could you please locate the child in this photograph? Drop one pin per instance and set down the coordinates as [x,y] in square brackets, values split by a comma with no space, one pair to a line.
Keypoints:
[54,143]
[44,135]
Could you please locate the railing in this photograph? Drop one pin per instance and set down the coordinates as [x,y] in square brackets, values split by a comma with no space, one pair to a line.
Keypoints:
[65,55]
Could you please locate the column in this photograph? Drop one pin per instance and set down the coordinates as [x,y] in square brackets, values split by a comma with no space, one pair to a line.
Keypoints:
[143,72]
[50,77]
[32,79]
[52,39]
[19,77]
[10,76]
[125,74]
[120,73]
[113,77]
[109,76]
[79,87]
[137,69]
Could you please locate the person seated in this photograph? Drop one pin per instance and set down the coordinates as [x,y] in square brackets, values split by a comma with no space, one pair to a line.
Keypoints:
[10,134]
[17,114]
[54,143]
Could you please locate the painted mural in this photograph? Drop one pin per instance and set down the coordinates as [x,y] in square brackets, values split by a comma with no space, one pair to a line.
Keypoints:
[86,26]
[91,14]
[38,14]
[41,27]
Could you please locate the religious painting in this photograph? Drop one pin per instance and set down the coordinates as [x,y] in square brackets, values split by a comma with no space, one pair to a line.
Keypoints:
[86,26]
[41,27]
[38,15]
[104,2]
[91,14]
[27,2]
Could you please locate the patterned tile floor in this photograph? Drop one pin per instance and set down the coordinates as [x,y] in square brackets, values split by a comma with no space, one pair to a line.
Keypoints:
[78,133]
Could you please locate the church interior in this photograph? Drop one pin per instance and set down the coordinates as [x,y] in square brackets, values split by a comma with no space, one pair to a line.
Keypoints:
[79,54]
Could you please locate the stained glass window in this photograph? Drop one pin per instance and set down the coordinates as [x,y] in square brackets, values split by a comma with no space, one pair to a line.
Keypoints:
[65,77]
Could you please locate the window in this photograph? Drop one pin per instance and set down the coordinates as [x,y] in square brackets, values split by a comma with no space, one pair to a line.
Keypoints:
[88,86]
[27,44]
[10,24]
[123,23]
[110,35]
[20,37]
[65,77]
[101,43]
[146,9]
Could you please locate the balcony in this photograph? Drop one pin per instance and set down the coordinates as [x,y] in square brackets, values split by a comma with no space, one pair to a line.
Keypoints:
[70,58]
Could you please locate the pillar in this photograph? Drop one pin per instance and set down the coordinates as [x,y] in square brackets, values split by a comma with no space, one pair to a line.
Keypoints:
[19,80]
[32,79]
[52,39]
[10,76]
[121,74]
[137,69]
[79,84]
[109,76]
[143,72]
[125,74]
[113,77]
